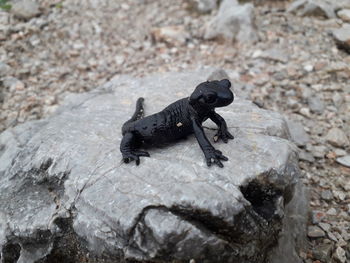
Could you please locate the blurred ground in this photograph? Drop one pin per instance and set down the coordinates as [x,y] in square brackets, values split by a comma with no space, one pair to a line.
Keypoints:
[295,68]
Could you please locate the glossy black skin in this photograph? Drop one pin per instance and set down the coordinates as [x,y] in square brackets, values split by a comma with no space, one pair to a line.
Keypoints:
[178,120]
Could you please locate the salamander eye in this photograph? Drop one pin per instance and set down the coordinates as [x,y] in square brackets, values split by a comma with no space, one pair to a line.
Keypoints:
[210,98]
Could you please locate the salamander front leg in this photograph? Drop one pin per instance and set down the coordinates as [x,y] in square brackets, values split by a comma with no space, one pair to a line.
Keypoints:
[128,151]
[222,133]
[211,154]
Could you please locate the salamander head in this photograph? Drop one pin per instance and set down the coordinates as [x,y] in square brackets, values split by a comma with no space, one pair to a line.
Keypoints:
[212,94]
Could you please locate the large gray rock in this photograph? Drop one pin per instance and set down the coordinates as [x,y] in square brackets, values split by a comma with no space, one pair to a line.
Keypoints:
[234,22]
[65,194]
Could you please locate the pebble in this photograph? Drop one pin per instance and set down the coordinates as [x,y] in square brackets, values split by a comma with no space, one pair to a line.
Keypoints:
[171,35]
[305,156]
[13,84]
[119,59]
[4,69]
[317,216]
[337,138]
[344,15]
[312,8]
[332,236]
[340,152]
[339,195]
[206,6]
[337,99]
[233,22]
[25,9]
[275,54]
[326,195]
[339,255]
[323,252]
[345,160]
[315,231]
[316,104]
[305,112]
[297,133]
[332,211]
[319,151]
[342,37]
[325,226]
[308,68]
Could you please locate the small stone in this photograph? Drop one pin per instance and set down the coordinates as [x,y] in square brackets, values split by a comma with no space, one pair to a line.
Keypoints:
[13,84]
[325,226]
[331,155]
[319,151]
[344,15]
[332,236]
[337,138]
[275,54]
[4,69]
[234,22]
[339,255]
[305,156]
[320,65]
[316,104]
[171,35]
[305,112]
[346,186]
[257,53]
[340,152]
[323,252]
[315,231]
[332,212]
[317,216]
[342,243]
[297,133]
[25,9]
[345,234]
[326,195]
[125,6]
[345,160]
[337,99]
[308,68]
[119,59]
[206,6]
[312,8]
[342,37]
[339,195]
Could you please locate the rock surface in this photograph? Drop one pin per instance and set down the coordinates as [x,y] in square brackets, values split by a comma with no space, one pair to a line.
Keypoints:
[63,183]
[234,22]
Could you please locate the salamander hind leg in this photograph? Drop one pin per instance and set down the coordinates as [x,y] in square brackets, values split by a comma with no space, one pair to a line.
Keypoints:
[128,151]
